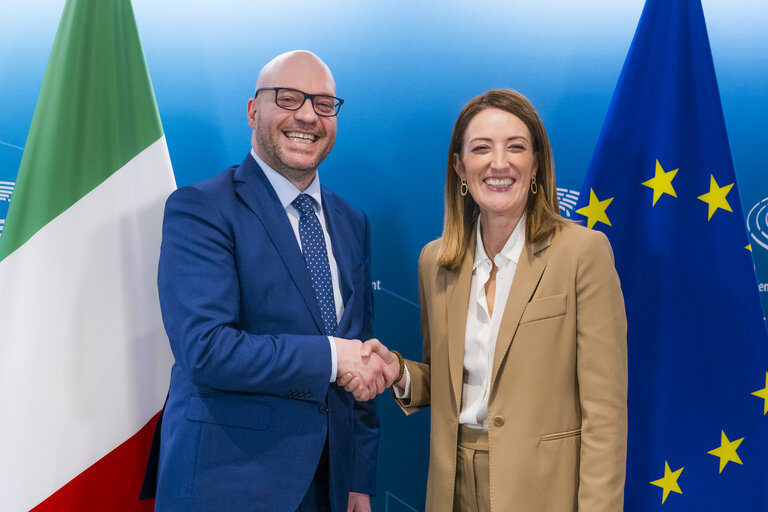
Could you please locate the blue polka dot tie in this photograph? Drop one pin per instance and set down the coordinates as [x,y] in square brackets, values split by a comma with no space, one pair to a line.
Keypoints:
[316,258]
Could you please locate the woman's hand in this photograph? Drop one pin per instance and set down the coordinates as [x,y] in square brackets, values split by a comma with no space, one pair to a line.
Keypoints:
[390,371]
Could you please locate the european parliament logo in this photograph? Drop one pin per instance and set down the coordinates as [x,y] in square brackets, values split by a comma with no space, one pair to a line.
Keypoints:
[757,223]
[567,199]
[6,189]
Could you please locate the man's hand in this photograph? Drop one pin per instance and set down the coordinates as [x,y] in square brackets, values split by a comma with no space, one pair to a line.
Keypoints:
[358,502]
[375,347]
[368,372]
[371,349]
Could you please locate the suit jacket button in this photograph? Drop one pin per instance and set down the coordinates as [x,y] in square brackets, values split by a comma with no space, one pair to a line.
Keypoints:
[322,408]
[498,421]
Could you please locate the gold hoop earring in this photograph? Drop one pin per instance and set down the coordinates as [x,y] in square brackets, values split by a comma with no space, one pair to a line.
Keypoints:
[464,189]
[534,186]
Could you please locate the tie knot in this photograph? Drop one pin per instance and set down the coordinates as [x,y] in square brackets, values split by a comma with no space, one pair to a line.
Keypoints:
[304,204]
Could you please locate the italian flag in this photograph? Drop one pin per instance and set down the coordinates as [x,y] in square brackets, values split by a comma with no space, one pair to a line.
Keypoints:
[84,359]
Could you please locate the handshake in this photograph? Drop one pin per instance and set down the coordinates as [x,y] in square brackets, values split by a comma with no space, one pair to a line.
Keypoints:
[365,369]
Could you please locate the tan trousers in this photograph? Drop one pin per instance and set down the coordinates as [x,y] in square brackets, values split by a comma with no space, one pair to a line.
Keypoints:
[473,480]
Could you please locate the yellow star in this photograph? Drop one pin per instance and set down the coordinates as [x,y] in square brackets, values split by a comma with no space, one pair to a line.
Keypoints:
[669,482]
[661,183]
[726,451]
[715,198]
[763,393]
[595,210]
[748,247]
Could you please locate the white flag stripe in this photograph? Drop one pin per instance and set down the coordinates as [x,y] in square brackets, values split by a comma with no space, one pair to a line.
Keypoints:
[85,341]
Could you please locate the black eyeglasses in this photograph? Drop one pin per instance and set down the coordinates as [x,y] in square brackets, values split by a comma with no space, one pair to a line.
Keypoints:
[293,99]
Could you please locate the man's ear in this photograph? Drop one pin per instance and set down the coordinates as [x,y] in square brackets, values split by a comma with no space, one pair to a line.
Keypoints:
[251,111]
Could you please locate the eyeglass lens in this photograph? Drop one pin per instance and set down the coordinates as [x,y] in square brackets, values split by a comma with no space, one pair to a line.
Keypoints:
[293,100]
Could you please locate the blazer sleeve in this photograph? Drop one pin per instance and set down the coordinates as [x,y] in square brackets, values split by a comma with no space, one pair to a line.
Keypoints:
[601,336]
[200,302]
[419,396]
[365,414]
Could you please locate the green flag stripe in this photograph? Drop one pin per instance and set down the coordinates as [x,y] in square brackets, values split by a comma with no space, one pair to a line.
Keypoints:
[95,112]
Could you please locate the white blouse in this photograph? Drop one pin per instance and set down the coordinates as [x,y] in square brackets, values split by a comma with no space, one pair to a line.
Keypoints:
[482,327]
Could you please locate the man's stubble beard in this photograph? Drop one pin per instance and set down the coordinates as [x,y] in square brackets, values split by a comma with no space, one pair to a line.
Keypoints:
[277,160]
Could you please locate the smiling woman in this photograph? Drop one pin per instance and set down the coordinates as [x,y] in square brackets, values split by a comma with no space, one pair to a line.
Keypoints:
[500,135]
[524,363]
[497,164]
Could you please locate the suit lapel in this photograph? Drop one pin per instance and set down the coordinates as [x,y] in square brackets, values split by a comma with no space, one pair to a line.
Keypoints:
[253,187]
[527,275]
[458,284]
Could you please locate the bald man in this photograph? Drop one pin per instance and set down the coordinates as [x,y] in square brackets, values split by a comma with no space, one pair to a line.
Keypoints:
[264,283]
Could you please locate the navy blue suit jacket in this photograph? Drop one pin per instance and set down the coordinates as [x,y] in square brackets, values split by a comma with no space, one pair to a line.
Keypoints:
[250,403]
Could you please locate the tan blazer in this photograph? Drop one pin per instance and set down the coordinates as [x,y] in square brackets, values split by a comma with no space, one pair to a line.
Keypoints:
[557,410]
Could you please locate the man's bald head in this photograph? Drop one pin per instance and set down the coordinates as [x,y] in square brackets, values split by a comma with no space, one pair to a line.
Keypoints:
[289,67]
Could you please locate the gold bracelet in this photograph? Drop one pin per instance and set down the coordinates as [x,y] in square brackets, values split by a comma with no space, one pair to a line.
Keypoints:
[402,366]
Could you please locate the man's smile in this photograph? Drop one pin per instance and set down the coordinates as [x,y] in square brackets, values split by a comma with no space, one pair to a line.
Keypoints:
[301,138]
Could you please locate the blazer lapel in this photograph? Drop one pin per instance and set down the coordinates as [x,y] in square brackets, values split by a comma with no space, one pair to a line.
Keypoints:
[253,187]
[458,284]
[527,275]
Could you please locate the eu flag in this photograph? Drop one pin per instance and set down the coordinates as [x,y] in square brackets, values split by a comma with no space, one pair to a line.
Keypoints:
[661,186]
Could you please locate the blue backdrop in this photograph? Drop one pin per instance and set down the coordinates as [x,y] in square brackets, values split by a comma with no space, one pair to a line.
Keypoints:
[405,69]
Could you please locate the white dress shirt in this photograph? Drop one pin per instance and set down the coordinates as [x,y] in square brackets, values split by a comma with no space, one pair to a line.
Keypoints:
[286,193]
[482,328]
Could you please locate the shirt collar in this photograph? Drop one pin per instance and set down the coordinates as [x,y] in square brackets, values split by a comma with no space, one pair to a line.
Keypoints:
[287,191]
[509,253]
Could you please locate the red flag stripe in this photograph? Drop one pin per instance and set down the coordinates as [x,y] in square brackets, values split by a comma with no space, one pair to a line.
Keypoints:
[111,483]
